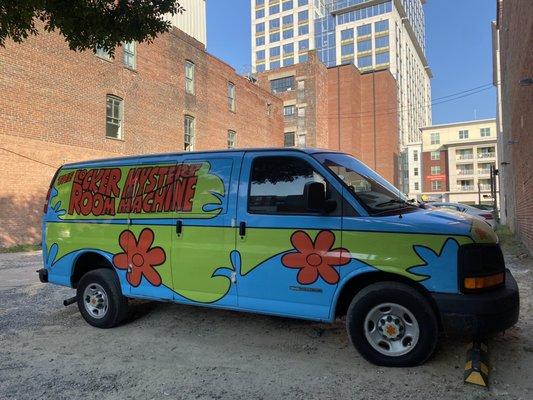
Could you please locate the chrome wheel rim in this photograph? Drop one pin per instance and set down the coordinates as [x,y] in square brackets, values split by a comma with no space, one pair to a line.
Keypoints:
[95,300]
[391,329]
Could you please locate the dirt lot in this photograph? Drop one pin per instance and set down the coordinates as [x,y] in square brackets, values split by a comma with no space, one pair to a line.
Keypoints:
[181,352]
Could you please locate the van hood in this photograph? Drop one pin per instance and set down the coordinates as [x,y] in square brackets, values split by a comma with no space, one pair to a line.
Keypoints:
[445,222]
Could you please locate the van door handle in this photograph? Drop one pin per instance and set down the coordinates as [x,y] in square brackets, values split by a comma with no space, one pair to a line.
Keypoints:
[179,225]
[242,228]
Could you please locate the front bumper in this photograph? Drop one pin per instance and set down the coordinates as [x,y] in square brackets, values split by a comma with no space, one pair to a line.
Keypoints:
[482,313]
[43,275]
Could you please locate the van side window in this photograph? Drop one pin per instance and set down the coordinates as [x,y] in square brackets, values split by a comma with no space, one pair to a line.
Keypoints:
[277,185]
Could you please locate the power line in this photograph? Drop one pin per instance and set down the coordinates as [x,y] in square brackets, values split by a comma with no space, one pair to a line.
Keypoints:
[28,158]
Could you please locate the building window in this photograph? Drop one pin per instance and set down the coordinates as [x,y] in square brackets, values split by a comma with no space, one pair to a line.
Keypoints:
[417,186]
[275,64]
[282,84]
[364,30]
[303,45]
[288,48]
[260,41]
[364,62]
[100,52]
[231,96]
[303,3]
[382,58]
[435,155]
[289,111]
[288,140]
[485,132]
[435,138]
[303,29]
[260,55]
[260,28]
[114,117]
[274,9]
[347,49]
[288,33]
[415,171]
[274,37]
[382,41]
[259,13]
[463,134]
[274,52]
[189,77]
[347,34]
[301,112]
[288,61]
[303,58]
[364,45]
[436,185]
[435,170]
[303,16]
[415,155]
[259,3]
[381,26]
[260,68]
[129,55]
[232,136]
[287,5]
[273,24]
[288,20]
[188,133]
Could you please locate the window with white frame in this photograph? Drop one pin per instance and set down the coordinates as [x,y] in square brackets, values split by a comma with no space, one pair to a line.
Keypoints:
[415,171]
[417,186]
[189,76]
[415,155]
[232,136]
[231,96]
[288,140]
[114,117]
[436,185]
[435,155]
[463,134]
[485,132]
[100,52]
[130,55]
[435,170]
[189,133]
[435,138]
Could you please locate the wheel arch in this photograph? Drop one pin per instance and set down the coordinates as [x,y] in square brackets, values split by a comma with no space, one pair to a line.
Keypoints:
[89,261]
[354,284]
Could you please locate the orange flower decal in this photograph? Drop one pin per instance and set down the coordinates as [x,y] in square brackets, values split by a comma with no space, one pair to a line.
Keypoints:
[315,259]
[138,258]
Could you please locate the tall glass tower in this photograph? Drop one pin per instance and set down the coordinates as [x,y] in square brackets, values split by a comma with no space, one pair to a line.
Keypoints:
[372,34]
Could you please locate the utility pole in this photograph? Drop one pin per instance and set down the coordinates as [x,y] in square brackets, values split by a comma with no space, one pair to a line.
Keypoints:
[478,192]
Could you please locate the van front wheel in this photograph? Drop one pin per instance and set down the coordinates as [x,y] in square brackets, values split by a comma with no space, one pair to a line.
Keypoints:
[100,299]
[391,324]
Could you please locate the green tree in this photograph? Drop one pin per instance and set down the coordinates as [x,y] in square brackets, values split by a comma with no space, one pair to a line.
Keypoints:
[87,24]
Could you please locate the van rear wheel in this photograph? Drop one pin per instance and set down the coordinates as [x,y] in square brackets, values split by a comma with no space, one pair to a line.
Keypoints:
[391,324]
[100,299]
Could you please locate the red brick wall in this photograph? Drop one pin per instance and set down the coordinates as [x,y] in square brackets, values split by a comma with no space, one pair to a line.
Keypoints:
[515,21]
[427,178]
[53,106]
[341,111]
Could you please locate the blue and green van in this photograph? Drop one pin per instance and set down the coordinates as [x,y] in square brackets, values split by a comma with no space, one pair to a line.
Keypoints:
[300,233]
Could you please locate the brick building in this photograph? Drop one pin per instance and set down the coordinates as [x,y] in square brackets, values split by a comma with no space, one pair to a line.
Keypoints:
[59,106]
[339,108]
[513,78]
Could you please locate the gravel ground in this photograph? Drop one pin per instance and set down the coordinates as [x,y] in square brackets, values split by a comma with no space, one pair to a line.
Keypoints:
[182,352]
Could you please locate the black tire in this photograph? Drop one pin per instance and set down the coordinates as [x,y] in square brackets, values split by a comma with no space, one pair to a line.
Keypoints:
[117,304]
[401,294]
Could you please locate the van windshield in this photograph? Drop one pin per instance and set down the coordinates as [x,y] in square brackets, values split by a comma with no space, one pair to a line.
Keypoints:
[375,194]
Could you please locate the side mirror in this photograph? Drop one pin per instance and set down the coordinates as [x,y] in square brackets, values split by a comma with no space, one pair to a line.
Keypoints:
[315,198]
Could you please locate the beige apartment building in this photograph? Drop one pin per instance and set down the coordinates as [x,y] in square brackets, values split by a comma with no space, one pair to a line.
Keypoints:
[457,159]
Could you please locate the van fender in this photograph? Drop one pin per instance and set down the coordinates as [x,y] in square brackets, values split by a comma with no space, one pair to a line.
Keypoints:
[366,270]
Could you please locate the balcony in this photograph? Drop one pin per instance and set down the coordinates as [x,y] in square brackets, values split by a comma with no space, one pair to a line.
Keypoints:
[465,172]
[466,188]
[484,172]
[465,156]
[486,155]
[484,186]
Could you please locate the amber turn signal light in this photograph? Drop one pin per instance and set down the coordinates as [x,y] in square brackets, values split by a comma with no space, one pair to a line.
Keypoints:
[484,282]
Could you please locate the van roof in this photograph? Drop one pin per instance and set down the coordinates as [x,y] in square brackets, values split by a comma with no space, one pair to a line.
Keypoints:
[308,150]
